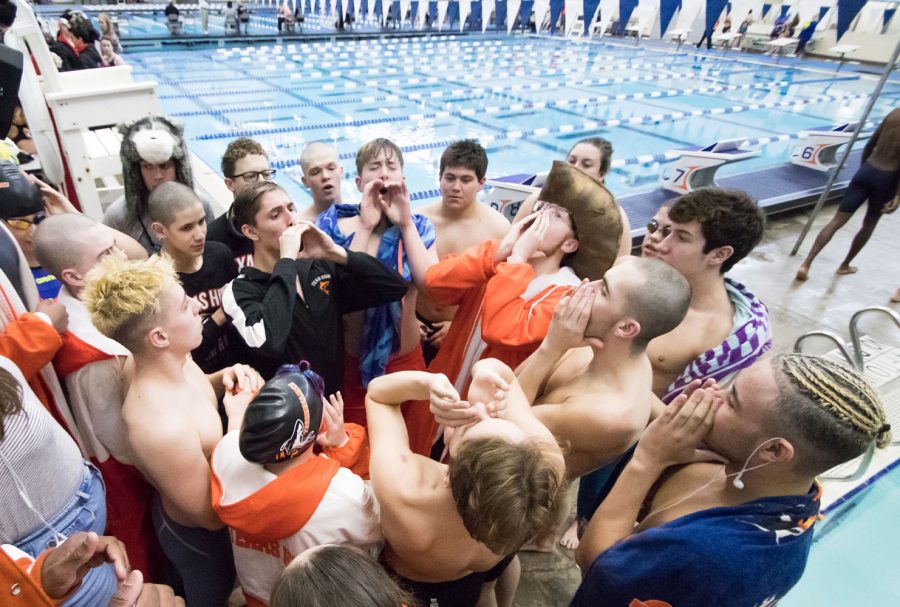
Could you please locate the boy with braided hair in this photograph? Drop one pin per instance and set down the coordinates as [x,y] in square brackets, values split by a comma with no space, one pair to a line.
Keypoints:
[729,525]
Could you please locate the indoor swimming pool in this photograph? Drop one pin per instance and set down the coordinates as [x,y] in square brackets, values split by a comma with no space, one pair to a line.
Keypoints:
[527,99]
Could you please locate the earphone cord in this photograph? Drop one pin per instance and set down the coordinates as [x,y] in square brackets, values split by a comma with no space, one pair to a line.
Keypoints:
[702,487]
[20,486]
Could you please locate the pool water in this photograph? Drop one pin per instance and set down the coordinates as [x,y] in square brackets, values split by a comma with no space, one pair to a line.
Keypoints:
[859,540]
[527,99]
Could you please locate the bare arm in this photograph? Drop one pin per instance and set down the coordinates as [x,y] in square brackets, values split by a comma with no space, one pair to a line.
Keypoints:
[670,440]
[394,469]
[526,207]
[396,206]
[369,216]
[171,456]
[566,331]
[625,242]
[489,377]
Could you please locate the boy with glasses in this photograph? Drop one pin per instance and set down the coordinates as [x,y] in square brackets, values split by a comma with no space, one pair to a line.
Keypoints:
[244,163]
[22,229]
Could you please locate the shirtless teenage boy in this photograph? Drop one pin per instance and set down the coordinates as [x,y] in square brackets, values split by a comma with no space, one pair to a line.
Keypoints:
[450,528]
[384,339]
[460,222]
[322,174]
[703,235]
[597,400]
[170,415]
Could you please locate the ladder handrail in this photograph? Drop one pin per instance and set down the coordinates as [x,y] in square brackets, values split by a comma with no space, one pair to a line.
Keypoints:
[854,331]
[838,341]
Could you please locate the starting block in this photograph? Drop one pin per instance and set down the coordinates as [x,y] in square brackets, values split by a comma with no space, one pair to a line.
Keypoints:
[506,194]
[818,147]
[696,167]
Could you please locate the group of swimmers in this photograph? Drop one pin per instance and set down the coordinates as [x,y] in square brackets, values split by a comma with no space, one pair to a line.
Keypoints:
[360,404]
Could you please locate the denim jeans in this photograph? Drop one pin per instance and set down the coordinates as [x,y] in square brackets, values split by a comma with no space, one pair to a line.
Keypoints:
[86,511]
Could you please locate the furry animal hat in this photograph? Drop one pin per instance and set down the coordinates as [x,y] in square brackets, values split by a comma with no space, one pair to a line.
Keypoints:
[153,139]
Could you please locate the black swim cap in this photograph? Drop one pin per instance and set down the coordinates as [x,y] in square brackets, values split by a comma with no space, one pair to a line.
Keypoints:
[18,196]
[283,420]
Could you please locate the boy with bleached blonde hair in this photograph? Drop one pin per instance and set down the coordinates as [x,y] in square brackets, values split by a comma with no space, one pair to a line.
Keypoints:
[170,402]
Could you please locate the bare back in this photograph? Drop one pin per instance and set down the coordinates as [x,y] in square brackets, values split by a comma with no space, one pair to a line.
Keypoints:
[172,429]
[426,540]
[885,155]
[595,416]
[353,325]
[455,235]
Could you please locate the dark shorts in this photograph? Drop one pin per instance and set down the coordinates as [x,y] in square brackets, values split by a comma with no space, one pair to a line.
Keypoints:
[203,562]
[463,592]
[428,351]
[869,183]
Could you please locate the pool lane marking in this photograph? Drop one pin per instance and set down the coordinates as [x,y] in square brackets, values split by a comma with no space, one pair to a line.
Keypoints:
[488,139]
[543,131]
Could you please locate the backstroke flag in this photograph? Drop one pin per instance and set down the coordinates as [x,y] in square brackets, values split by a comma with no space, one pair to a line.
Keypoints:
[714,9]
[847,11]
[626,7]
[667,10]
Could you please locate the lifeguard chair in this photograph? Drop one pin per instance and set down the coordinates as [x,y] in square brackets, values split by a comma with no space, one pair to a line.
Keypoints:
[85,105]
[696,166]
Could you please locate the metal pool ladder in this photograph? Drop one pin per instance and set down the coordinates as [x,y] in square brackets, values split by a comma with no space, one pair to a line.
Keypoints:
[854,357]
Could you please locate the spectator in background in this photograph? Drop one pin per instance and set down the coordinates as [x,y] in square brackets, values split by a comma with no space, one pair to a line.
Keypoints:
[153,151]
[108,55]
[109,29]
[74,43]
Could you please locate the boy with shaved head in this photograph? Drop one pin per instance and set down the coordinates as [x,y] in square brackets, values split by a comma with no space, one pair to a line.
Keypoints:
[94,369]
[597,400]
[204,268]
[322,174]
[170,416]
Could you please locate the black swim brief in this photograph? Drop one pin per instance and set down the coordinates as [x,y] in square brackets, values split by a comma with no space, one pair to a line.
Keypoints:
[463,592]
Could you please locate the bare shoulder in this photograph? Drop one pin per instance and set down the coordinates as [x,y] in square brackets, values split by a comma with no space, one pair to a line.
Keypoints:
[151,428]
[496,222]
[401,480]
[431,211]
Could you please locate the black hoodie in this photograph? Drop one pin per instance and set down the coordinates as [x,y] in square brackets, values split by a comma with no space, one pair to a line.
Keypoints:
[280,327]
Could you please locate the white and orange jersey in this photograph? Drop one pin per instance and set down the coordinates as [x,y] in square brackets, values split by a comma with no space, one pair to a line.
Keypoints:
[272,518]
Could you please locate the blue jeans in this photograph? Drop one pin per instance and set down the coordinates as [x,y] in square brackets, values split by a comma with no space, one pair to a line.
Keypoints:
[202,559]
[86,511]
